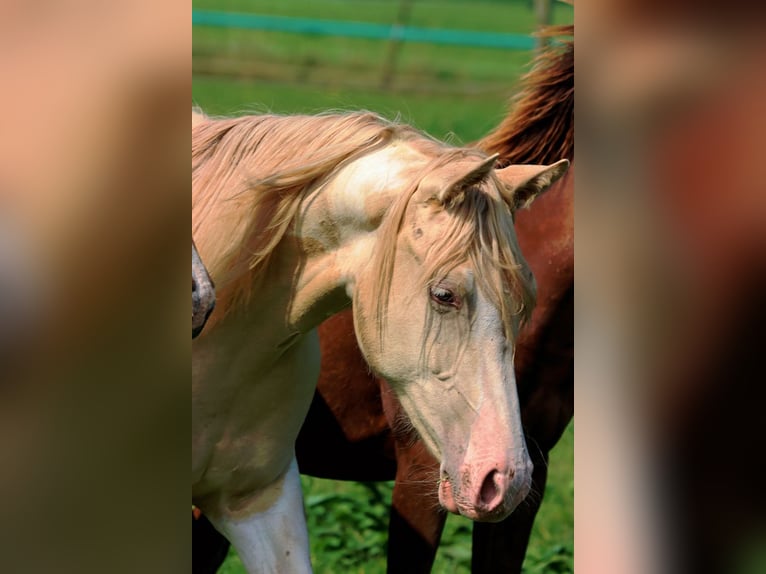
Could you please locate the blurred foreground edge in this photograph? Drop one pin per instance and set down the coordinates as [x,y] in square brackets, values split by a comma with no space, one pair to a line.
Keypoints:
[671,271]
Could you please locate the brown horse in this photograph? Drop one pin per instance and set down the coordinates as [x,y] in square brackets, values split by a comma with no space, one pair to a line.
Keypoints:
[367,438]
[354,440]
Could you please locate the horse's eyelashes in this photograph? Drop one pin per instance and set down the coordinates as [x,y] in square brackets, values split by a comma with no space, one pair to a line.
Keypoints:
[444,296]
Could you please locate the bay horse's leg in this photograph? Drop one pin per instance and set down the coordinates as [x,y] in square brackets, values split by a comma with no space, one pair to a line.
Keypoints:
[501,547]
[416,520]
[275,540]
[209,547]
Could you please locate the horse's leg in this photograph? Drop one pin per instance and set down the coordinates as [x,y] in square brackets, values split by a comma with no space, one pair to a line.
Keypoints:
[501,547]
[416,520]
[276,539]
[209,547]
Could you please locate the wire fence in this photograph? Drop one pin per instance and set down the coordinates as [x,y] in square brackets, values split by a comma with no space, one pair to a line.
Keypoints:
[394,32]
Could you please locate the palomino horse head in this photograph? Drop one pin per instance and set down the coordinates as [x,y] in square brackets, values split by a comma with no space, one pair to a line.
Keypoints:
[436,313]
[203,294]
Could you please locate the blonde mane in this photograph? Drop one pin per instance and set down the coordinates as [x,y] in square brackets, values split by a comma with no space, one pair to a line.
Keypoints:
[250,174]
[253,171]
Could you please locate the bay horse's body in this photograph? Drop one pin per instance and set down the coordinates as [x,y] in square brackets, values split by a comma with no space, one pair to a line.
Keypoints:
[347,434]
[351,438]
[203,293]
[298,217]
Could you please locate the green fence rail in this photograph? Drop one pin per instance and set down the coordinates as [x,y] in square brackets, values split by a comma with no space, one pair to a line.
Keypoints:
[361,30]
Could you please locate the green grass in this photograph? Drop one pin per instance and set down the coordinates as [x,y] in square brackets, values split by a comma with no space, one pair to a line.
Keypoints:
[348,523]
[339,63]
[468,118]
[447,91]
[440,89]
[339,60]
[551,546]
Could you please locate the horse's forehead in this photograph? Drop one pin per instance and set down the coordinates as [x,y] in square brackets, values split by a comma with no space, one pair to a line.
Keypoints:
[426,222]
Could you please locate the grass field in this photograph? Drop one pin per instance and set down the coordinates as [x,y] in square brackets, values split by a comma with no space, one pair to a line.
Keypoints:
[348,524]
[288,72]
[459,93]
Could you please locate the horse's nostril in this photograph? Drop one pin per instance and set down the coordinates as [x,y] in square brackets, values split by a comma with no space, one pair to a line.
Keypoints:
[489,489]
[194,285]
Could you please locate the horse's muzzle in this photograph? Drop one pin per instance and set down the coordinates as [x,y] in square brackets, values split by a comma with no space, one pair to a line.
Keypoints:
[486,493]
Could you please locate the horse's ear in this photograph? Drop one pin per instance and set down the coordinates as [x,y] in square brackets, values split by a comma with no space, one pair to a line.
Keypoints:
[523,183]
[463,181]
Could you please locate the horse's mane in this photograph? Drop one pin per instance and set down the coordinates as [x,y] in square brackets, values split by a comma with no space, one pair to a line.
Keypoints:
[249,175]
[540,126]
[197,116]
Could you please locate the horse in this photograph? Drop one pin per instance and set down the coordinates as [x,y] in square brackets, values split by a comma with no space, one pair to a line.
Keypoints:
[203,293]
[540,126]
[341,428]
[203,303]
[298,217]
[352,431]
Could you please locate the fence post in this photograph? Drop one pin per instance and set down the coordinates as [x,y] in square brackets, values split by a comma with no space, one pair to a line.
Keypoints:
[543,18]
[395,43]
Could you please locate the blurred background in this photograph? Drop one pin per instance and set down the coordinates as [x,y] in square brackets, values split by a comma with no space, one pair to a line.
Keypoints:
[454,80]
[670,276]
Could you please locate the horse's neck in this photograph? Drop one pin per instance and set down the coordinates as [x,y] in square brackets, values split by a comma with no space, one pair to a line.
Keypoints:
[336,230]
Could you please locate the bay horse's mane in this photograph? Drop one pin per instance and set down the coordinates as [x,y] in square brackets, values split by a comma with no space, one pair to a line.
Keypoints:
[540,126]
[249,175]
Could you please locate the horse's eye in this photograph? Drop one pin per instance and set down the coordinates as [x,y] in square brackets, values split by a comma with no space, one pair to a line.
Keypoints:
[443,296]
